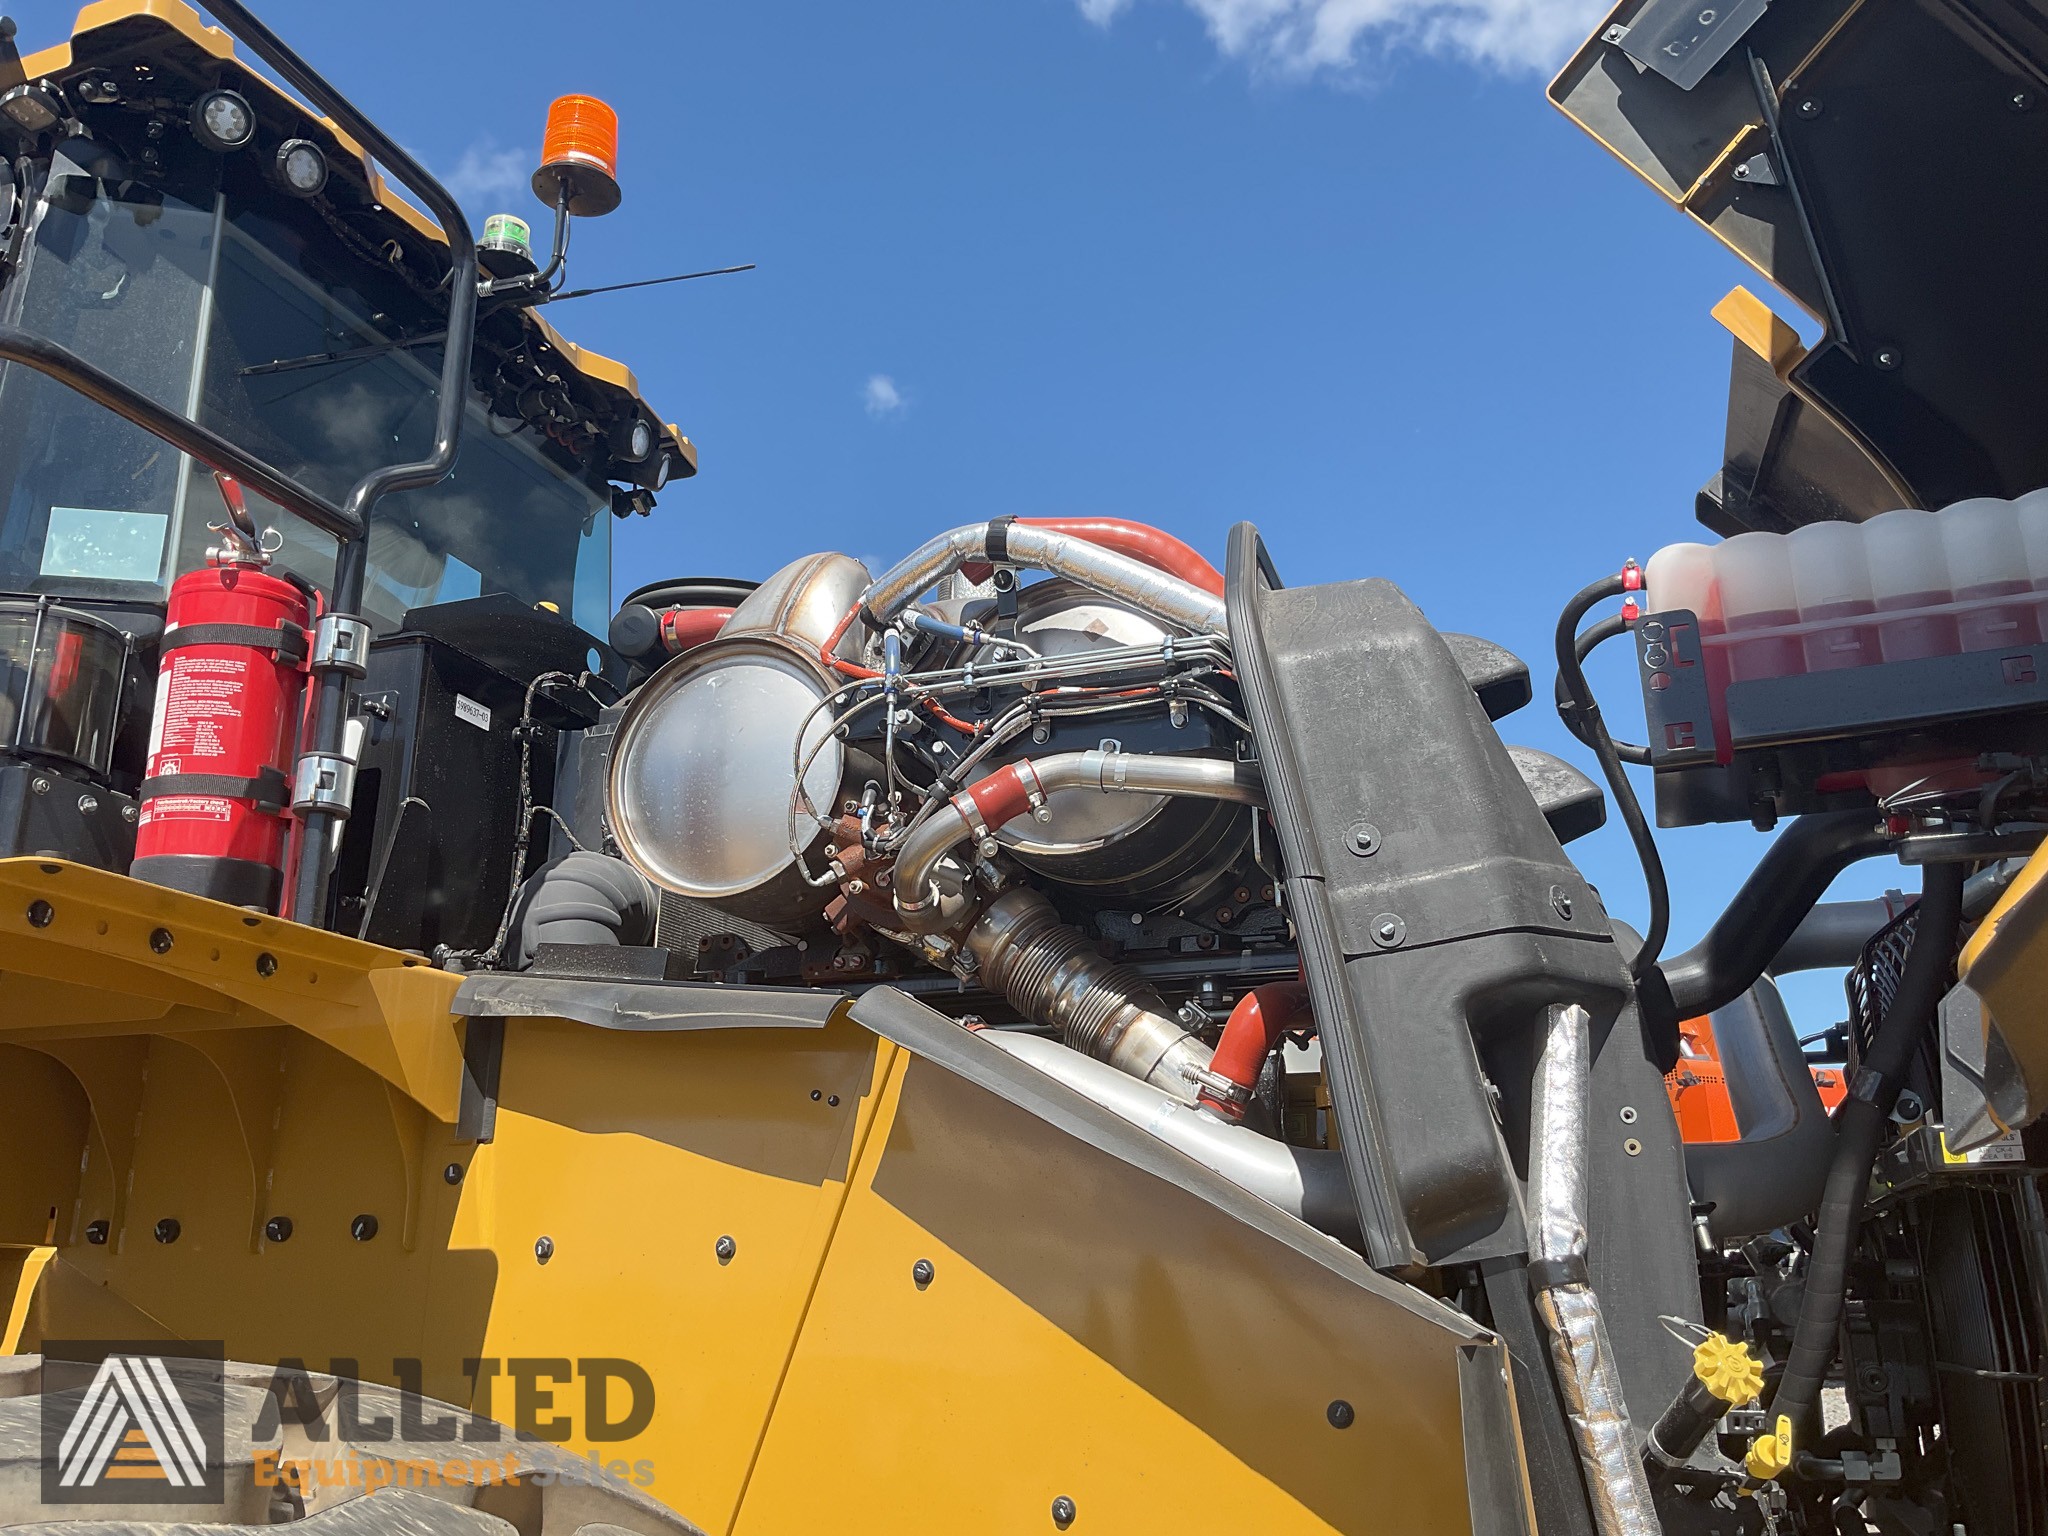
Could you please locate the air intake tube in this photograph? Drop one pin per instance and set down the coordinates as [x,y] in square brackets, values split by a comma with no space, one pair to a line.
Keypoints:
[1046,549]
[989,803]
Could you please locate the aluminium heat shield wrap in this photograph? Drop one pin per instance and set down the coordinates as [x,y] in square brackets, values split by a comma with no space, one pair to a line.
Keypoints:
[1564,1293]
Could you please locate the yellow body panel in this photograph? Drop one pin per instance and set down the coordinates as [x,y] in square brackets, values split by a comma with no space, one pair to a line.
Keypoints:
[2006,964]
[1092,1330]
[1092,1333]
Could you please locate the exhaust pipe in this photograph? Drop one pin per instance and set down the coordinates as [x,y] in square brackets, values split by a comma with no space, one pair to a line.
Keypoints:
[1303,1181]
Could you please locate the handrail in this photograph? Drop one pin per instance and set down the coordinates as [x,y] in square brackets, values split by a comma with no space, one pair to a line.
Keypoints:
[321,758]
[203,443]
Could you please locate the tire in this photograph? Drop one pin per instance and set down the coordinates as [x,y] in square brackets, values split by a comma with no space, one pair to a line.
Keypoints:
[285,1460]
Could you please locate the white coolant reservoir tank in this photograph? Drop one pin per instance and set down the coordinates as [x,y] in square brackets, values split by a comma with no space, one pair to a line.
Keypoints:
[1755,577]
[1986,559]
[1682,576]
[2030,512]
[1909,571]
[1831,580]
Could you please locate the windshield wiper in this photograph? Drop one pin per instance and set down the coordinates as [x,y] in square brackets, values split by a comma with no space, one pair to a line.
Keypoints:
[354,354]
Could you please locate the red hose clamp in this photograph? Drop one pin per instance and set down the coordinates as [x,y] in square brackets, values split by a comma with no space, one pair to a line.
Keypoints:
[1631,583]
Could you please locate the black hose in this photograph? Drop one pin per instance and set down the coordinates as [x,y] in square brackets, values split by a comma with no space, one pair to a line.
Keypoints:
[1607,629]
[1859,1133]
[1788,881]
[1580,697]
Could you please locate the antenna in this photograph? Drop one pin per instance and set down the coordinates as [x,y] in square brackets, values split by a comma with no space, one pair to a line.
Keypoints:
[645,282]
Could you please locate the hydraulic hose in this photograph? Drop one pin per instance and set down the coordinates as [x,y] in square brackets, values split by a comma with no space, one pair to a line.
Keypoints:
[1776,898]
[1859,1132]
[1590,640]
[1580,696]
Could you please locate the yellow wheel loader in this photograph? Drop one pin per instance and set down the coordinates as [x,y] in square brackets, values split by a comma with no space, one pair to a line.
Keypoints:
[1054,1034]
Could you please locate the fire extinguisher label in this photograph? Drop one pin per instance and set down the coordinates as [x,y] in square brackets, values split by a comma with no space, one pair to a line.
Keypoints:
[199,696]
[476,714]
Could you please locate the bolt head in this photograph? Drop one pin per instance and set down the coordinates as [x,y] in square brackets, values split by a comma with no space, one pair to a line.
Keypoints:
[87,804]
[1810,108]
[160,941]
[363,1228]
[1388,930]
[725,1248]
[1063,1512]
[543,1248]
[96,1233]
[167,1230]
[40,786]
[41,914]
[278,1229]
[1363,839]
[1561,902]
[2020,101]
[1341,1414]
[922,1273]
[452,1173]
[266,964]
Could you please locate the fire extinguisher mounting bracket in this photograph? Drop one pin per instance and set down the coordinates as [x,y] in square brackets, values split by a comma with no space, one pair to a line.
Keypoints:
[286,641]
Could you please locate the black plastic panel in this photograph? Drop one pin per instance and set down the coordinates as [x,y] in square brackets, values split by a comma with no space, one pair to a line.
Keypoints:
[1460,925]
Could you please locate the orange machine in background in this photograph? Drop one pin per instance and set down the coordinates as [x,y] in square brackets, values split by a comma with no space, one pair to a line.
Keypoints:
[1699,1088]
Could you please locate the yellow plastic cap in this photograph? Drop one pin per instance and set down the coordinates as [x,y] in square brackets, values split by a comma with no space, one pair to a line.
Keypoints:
[1727,1369]
[1771,1454]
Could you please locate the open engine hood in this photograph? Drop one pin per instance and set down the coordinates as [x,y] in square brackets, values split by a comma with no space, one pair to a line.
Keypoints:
[1884,163]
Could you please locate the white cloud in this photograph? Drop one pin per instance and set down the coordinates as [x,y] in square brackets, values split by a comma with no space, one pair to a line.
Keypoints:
[1303,37]
[881,396]
[487,174]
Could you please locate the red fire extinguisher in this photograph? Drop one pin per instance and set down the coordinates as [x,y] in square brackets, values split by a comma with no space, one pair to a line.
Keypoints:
[216,805]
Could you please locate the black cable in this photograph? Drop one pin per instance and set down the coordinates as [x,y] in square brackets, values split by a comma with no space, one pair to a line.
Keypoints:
[1584,646]
[1579,695]
[1859,1133]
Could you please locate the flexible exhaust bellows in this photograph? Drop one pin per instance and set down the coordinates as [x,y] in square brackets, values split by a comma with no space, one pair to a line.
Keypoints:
[1564,1289]
[1053,975]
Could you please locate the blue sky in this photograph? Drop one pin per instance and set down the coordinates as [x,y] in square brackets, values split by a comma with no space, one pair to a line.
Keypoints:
[1335,266]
